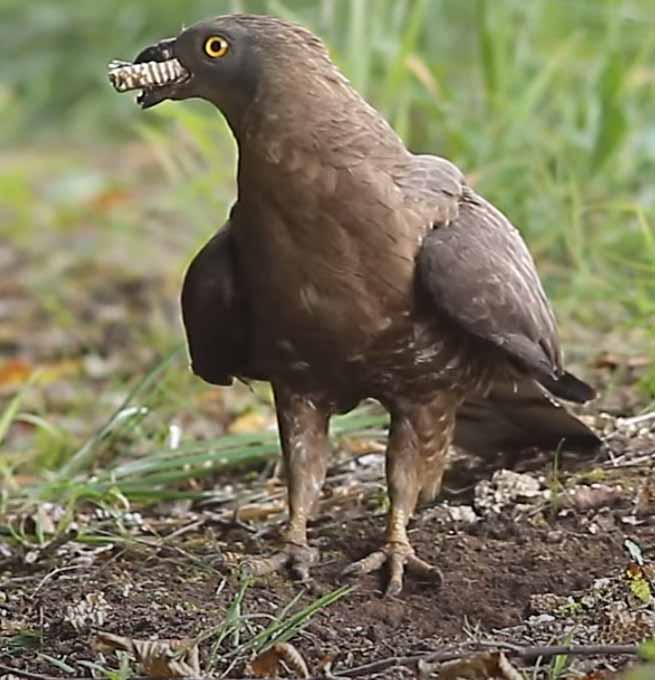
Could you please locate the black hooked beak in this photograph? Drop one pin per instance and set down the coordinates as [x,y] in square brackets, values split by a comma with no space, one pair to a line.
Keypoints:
[156,72]
[161,51]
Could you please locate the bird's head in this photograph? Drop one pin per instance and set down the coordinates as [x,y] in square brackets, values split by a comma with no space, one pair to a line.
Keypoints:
[228,61]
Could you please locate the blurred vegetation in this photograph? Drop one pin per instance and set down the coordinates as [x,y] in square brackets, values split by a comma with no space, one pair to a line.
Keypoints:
[547,105]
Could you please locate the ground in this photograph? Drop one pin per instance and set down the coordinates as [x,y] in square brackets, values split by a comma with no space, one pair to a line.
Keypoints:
[168,573]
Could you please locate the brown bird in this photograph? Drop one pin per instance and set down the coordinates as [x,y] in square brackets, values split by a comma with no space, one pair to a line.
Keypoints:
[351,268]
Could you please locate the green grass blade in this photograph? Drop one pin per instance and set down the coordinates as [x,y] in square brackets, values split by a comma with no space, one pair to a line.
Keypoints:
[87,453]
[10,412]
[613,124]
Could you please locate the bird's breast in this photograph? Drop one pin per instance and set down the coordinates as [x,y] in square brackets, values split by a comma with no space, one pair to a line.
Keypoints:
[323,281]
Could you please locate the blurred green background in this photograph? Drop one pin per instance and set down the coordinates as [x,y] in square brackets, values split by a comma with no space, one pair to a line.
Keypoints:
[547,105]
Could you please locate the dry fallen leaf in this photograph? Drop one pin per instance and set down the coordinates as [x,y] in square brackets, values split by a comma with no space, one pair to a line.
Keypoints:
[638,583]
[108,199]
[14,372]
[280,656]
[326,661]
[158,658]
[362,447]
[487,666]
[645,502]
[250,421]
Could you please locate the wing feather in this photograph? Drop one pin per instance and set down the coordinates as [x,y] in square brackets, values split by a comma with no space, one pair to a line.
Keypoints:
[477,271]
[214,311]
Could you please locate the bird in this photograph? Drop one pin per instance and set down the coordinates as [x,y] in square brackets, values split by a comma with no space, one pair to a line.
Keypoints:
[351,268]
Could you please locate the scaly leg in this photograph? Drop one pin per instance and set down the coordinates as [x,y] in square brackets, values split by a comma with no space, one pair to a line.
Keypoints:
[416,456]
[303,426]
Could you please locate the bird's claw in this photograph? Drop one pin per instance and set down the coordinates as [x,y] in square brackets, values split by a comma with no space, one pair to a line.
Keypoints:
[297,558]
[399,556]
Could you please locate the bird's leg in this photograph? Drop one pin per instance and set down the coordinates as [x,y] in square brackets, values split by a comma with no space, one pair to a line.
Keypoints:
[419,438]
[303,426]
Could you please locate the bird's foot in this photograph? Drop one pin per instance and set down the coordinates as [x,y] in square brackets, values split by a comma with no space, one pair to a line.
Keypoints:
[399,556]
[296,557]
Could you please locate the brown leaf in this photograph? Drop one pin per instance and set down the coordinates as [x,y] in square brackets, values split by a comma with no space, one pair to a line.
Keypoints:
[158,658]
[14,372]
[107,200]
[280,656]
[250,421]
[105,641]
[326,661]
[362,447]
[645,503]
[487,666]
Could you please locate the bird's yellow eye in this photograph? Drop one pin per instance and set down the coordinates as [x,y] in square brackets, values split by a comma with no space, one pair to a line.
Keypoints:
[216,46]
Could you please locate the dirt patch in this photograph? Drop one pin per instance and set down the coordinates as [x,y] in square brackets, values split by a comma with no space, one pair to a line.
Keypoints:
[144,587]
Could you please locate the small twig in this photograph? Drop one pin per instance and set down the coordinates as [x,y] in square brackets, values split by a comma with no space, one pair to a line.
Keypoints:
[635,420]
[526,653]
[31,676]
[622,423]
[185,529]
[51,574]
[547,651]
[639,461]
[384,664]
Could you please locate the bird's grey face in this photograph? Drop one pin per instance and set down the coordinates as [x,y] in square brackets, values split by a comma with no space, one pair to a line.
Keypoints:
[214,60]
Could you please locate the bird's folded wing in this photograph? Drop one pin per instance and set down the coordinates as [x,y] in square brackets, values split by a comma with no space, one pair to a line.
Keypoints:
[215,312]
[477,270]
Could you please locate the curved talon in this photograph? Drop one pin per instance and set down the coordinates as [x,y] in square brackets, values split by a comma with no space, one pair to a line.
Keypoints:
[298,558]
[422,569]
[300,571]
[399,557]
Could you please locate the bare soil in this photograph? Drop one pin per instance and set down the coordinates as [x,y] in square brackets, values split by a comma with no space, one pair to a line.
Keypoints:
[150,587]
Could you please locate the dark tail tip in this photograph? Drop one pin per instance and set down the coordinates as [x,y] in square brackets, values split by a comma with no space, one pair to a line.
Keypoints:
[568,387]
[514,417]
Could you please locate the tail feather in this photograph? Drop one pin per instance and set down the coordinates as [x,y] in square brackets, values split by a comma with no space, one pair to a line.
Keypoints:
[514,417]
[568,387]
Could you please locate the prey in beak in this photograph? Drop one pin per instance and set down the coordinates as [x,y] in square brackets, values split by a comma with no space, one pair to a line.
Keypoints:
[155,71]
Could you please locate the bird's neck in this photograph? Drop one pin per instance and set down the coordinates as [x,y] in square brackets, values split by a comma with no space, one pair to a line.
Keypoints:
[325,127]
